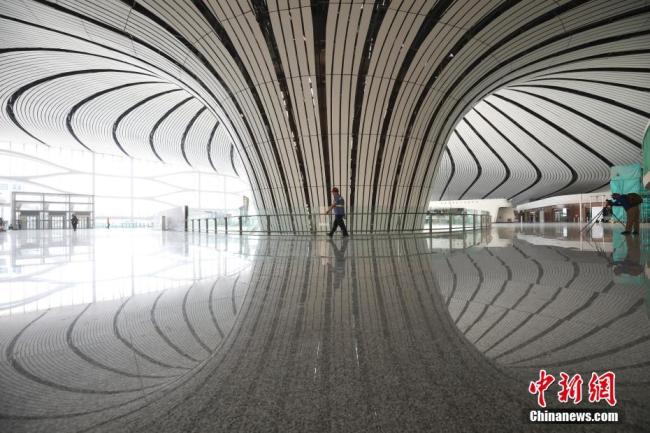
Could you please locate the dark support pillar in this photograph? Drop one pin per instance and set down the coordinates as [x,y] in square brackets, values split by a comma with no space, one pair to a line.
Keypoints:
[225,220]
[215,225]
[240,225]
[268,224]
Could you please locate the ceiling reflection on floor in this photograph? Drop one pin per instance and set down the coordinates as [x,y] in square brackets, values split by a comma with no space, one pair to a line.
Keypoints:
[375,333]
[48,269]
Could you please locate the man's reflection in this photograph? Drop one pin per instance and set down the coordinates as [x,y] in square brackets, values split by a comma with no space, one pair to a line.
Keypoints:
[339,261]
[627,257]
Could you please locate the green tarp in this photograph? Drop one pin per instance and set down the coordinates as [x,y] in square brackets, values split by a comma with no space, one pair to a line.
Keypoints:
[646,151]
[625,179]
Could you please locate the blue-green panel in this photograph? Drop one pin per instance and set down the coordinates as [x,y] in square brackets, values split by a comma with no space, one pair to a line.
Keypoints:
[646,151]
[625,179]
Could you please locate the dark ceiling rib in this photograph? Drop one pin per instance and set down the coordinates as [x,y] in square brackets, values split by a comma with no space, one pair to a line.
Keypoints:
[519,89]
[261,12]
[311,164]
[499,157]
[78,105]
[209,146]
[376,19]
[223,36]
[161,120]
[128,111]
[538,172]
[589,80]
[64,50]
[252,174]
[469,34]
[495,85]
[350,28]
[617,69]
[451,175]
[431,19]
[558,128]
[18,93]
[609,101]
[479,169]
[336,85]
[232,159]
[502,66]
[319,14]
[574,174]
[187,130]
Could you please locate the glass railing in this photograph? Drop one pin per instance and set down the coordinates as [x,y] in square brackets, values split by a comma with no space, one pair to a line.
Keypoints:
[410,222]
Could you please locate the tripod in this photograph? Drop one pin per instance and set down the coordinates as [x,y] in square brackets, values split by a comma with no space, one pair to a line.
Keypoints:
[596,218]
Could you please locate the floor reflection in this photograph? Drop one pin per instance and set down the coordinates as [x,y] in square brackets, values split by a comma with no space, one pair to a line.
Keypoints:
[375,333]
[48,269]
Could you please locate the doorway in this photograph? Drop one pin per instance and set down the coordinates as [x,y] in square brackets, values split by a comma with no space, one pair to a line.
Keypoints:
[56,221]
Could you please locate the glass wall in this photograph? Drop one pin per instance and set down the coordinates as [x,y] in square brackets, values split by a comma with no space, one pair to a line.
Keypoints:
[125,189]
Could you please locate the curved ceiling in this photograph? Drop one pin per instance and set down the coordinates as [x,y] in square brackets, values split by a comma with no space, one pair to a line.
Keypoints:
[555,133]
[533,97]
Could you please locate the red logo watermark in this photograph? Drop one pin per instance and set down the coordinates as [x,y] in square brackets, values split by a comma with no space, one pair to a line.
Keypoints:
[601,387]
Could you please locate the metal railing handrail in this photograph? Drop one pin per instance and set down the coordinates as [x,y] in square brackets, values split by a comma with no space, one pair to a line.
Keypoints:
[450,226]
[432,212]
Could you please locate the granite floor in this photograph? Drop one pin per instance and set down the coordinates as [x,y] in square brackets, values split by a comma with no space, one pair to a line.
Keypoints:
[143,331]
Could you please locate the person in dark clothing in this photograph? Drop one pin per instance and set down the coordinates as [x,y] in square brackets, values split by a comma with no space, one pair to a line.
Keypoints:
[74,221]
[339,213]
[607,212]
[629,202]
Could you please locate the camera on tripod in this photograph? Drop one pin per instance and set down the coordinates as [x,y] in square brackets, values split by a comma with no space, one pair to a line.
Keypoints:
[607,212]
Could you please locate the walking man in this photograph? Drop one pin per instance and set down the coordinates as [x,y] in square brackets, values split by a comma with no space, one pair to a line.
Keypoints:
[339,213]
[629,202]
[74,221]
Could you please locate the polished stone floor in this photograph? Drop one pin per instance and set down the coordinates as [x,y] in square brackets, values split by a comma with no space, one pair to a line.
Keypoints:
[143,331]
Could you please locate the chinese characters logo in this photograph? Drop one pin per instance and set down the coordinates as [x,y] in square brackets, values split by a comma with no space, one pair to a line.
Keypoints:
[600,387]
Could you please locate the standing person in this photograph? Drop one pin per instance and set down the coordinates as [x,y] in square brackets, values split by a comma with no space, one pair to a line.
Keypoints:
[108,223]
[629,202]
[74,221]
[339,213]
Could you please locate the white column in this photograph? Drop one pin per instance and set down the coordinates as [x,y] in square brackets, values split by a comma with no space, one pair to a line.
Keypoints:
[581,212]
[199,189]
[131,163]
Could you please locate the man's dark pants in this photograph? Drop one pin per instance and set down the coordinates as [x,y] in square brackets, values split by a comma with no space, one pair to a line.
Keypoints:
[339,222]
